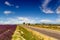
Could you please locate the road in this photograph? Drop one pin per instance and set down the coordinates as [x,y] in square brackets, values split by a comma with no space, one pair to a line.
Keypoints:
[50,33]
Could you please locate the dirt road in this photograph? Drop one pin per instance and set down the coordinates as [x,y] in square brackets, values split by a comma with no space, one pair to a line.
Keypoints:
[50,33]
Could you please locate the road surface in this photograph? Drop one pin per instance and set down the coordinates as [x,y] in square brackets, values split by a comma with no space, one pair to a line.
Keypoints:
[50,33]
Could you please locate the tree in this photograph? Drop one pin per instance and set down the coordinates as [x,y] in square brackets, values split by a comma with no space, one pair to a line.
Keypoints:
[23,22]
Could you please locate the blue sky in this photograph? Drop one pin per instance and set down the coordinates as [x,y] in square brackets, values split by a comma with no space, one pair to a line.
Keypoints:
[29,11]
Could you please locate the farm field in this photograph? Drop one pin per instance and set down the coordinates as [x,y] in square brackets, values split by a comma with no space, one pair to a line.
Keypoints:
[21,32]
[47,26]
[6,31]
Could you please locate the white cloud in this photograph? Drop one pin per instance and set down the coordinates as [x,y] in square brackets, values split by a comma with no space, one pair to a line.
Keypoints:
[17,20]
[45,3]
[47,11]
[8,4]
[22,18]
[58,10]
[46,21]
[26,19]
[17,6]
[44,7]
[8,12]
[57,20]
[10,21]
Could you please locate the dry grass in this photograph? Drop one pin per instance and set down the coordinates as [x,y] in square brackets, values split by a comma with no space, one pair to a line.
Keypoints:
[23,34]
[40,35]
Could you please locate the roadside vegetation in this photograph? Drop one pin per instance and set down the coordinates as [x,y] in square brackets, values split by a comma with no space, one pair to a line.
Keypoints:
[48,26]
[23,34]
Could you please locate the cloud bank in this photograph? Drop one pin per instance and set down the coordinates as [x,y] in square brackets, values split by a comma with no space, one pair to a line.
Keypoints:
[49,10]
[20,20]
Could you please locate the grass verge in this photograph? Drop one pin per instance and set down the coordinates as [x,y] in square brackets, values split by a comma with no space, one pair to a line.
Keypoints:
[23,34]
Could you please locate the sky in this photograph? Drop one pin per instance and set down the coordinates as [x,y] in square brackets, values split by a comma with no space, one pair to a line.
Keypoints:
[29,11]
